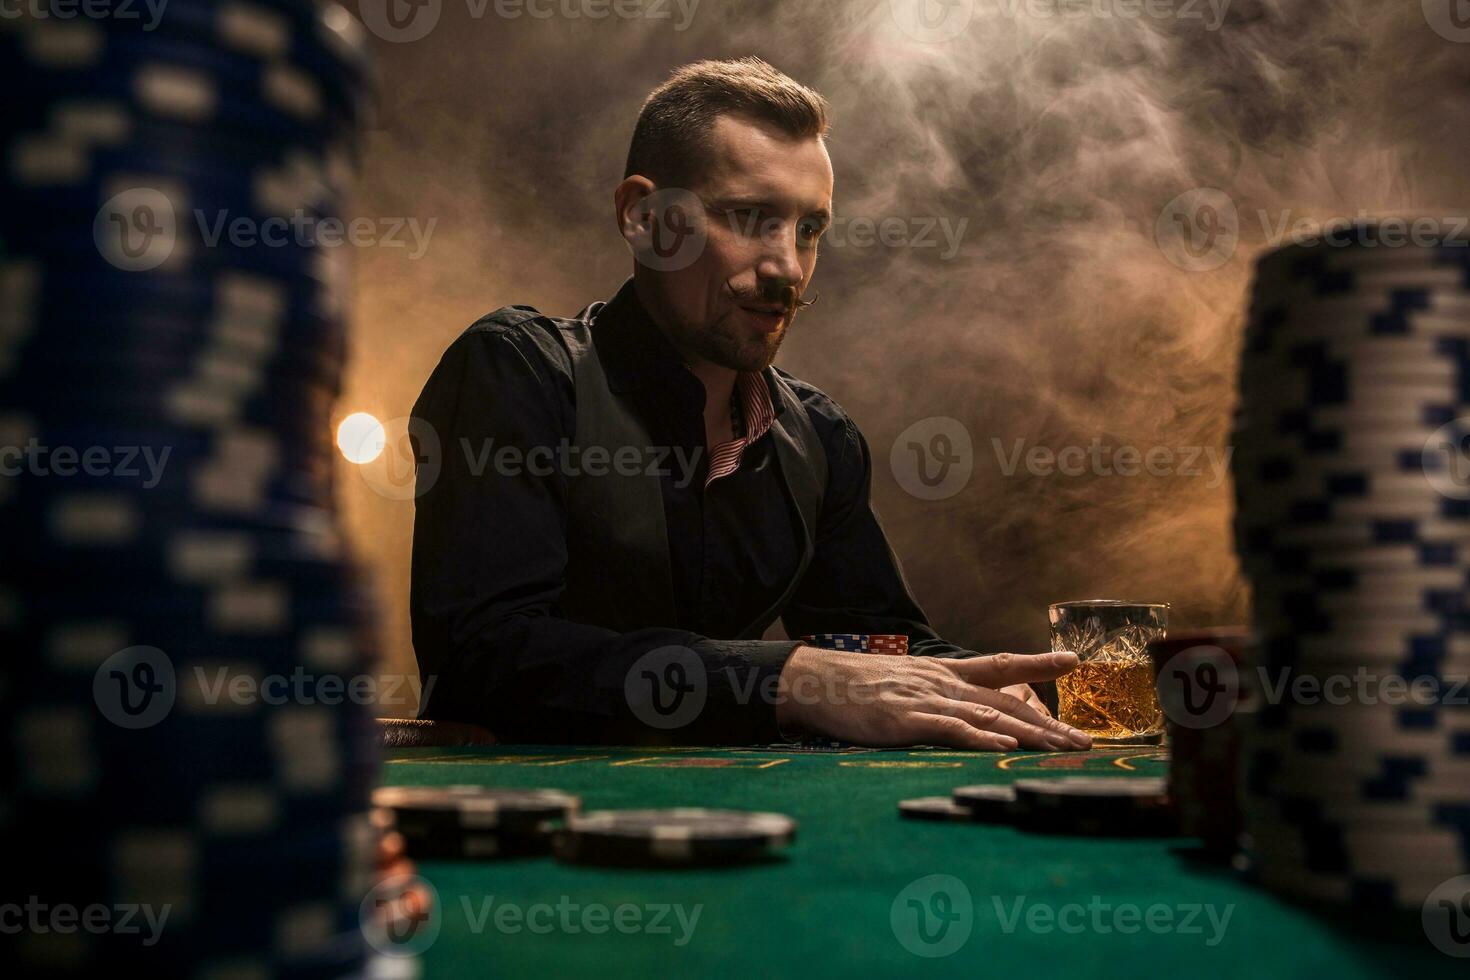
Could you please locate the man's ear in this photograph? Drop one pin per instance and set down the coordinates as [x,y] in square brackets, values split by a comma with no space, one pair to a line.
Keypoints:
[635,218]
[665,228]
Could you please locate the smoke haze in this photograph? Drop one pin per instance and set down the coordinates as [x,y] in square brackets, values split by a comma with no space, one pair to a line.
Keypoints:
[1037,151]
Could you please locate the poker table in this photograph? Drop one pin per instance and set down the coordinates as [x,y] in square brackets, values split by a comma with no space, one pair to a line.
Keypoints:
[864,892]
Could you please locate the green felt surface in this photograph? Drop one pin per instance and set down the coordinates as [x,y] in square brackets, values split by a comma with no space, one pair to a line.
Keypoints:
[828,908]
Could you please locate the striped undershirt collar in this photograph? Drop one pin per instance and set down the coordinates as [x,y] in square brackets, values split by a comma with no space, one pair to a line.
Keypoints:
[757,413]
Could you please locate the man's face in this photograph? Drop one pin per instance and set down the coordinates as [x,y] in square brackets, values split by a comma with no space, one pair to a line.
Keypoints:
[767,199]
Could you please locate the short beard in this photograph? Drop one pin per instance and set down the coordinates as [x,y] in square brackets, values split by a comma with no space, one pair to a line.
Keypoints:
[720,344]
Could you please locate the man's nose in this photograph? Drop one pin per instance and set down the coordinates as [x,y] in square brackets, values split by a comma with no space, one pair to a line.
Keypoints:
[780,263]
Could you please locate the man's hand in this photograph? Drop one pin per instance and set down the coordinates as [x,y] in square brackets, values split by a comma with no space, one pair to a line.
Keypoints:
[1024,693]
[892,701]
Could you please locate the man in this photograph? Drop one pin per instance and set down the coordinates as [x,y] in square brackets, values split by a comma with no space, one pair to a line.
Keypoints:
[559,597]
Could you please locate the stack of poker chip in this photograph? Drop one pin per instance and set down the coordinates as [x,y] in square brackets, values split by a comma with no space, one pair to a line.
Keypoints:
[1353,526]
[1117,806]
[985,803]
[182,624]
[483,823]
[1107,806]
[674,837]
[475,822]
[894,644]
[1197,674]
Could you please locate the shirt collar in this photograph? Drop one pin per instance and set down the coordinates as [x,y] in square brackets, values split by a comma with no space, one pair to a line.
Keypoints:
[634,351]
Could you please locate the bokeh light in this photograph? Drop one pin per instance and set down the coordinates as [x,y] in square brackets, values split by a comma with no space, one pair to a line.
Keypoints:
[361,438]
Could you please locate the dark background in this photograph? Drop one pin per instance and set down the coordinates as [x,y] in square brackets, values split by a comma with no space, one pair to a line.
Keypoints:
[1060,136]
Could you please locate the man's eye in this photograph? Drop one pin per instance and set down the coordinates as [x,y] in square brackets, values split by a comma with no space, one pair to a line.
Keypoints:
[746,220]
[810,230]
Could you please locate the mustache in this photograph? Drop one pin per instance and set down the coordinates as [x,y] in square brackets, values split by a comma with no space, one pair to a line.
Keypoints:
[769,293]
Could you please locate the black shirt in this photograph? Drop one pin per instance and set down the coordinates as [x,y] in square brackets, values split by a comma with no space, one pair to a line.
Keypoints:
[489,544]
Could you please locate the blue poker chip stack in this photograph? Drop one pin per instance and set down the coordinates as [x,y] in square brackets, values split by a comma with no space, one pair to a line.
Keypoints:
[188,757]
[1353,526]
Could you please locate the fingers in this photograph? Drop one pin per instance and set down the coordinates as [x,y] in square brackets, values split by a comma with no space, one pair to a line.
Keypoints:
[1063,736]
[1038,715]
[1030,697]
[956,733]
[999,670]
[993,719]
[1027,695]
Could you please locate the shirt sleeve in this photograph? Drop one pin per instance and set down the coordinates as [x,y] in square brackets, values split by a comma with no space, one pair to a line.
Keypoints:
[489,557]
[855,583]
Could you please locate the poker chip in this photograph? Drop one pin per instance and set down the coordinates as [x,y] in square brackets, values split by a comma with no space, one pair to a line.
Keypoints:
[195,554]
[1298,560]
[1354,259]
[1360,536]
[1374,848]
[896,644]
[472,823]
[855,642]
[681,836]
[1353,529]
[145,478]
[430,809]
[814,743]
[1096,805]
[1303,601]
[478,846]
[1412,581]
[1310,811]
[1367,851]
[209,302]
[1317,757]
[308,87]
[189,629]
[940,808]
[1374,650]
[1079,805]
[988,802]
[1126,794]
[1203,737]
[1391,893]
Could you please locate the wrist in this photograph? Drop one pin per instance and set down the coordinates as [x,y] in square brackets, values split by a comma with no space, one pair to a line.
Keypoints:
[788,708]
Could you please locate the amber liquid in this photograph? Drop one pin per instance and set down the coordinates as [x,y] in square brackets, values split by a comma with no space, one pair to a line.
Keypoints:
[1112,699]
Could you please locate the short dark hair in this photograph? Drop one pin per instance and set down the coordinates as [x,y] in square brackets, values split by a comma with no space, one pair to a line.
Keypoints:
[670,138]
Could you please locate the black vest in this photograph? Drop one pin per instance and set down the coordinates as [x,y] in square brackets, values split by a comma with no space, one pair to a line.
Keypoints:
[618,573]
